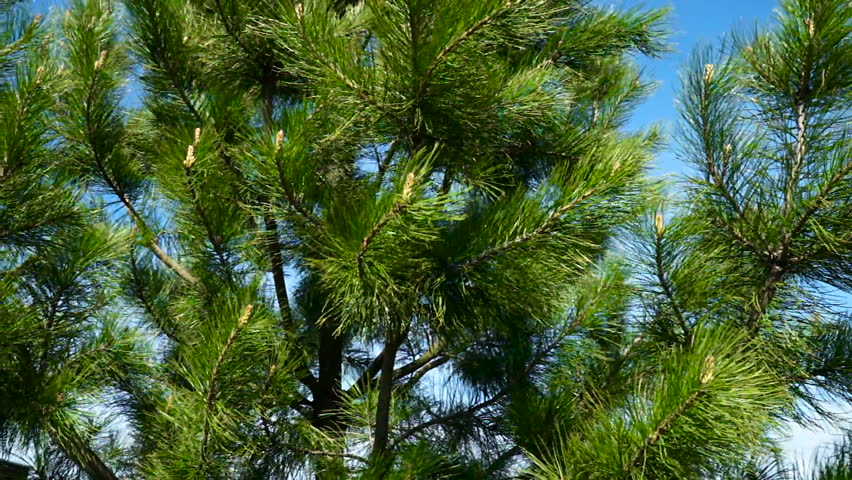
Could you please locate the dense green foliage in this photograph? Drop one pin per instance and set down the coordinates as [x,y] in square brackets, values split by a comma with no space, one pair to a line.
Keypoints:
[415,239]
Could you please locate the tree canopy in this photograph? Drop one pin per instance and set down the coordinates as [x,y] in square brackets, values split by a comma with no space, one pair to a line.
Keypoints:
[411,239]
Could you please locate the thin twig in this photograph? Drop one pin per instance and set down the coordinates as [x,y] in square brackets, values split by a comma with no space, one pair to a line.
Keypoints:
[541,356]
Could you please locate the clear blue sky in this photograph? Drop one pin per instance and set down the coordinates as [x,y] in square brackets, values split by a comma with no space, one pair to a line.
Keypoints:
[692,22]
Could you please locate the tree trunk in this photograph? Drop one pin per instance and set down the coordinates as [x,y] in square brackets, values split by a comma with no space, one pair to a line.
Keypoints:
[383,408]
[327,398]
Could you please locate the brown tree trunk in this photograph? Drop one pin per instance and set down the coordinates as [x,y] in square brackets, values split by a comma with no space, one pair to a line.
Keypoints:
[327,395]
[383,408]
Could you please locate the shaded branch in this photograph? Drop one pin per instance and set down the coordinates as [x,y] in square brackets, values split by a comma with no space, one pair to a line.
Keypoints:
[424,370]
[231,30]
[76,448]
[384,164]
[383,403]
[668,291]
[326,453]
[541,356]
[433,351]
[276,260]
[139,292]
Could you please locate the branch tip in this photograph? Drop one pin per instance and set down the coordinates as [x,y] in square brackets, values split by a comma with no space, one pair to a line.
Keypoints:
[190,157]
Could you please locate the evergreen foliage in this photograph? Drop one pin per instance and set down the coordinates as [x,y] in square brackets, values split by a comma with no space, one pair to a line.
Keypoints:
[415,239]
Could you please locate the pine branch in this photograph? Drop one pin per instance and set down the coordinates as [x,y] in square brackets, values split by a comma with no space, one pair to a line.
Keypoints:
[398,208]
[778,261]
[215,241]
[774,273]
[326,453]
[25,102]
[449,417]
[454,44]
[706,138]
[663,428]
[167,260]
[161,254]
[273,244]
[87,355]
[419,374]
[326,390]
[500,462]
[668,291]
[385,163]
[801,106]
[447,181]
[273,249]
[818,201]
[139,292]
[76,448]
[433,351]
[420,366]
[35,225]
[230,29]
[544,228]
[540,357]
[167,67]
[366,378]
[23,40]
[214,378]
[705,376]
[718,181]
[739,237]
[292,199]
[171,263]
[53,306]
[383,403]
[185,98]
[336,71]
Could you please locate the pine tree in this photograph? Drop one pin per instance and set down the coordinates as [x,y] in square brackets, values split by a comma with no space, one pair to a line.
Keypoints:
[62,345]
[742,268]
[319,213]
[414,239]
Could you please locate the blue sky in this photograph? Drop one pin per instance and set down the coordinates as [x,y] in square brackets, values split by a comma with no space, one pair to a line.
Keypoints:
[693,23]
